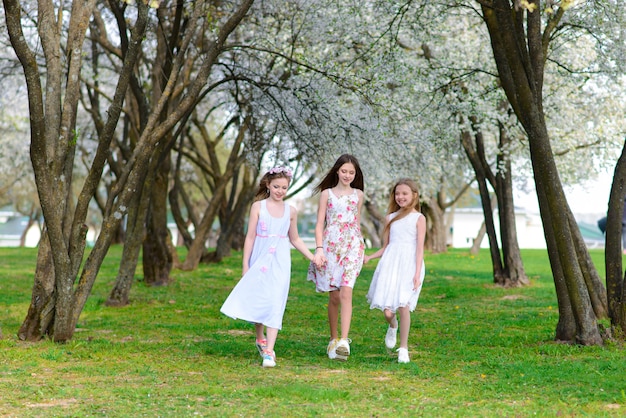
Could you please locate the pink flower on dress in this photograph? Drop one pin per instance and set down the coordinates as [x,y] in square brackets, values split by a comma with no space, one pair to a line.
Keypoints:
[264,269]
[272,250]
[263,226]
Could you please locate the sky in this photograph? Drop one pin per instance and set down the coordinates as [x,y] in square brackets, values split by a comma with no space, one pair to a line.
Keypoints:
[589,198]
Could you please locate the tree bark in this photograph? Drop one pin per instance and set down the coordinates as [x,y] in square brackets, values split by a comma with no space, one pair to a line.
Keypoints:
[53,143]
[136,226]
[436,231]
[615,277]
[157,259]
[232,216]
[519,49]
[52,155]
[512,258]
[485,199]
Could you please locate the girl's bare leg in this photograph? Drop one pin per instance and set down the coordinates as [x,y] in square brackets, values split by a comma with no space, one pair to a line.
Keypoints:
[333,312]
[346,310]
[405,326]
[390,317]
[259,332]
[272,334]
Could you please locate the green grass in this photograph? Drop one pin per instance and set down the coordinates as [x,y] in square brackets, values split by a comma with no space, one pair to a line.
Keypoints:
[476,350]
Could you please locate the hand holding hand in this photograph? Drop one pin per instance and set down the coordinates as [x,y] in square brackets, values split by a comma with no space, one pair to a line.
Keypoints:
[319,259]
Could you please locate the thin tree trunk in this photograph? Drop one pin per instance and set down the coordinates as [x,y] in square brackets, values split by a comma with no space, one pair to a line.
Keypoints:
[136,220]
[615,278]
[157,258]
[436,232]
[485,199]
[478,239]
[513,265]
[377,220]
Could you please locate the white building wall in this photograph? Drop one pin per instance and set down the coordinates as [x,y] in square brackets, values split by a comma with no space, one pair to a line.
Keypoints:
[466,223]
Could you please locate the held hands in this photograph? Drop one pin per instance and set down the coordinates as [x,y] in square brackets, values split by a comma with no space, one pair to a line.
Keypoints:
[319,259]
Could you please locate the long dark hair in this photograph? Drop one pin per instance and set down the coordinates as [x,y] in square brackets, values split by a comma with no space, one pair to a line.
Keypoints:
[331,178]
[276,172]
[394,207]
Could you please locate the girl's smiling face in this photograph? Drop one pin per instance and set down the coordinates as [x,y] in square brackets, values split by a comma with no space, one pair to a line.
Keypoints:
[346,174]
[403,195]
[278,188]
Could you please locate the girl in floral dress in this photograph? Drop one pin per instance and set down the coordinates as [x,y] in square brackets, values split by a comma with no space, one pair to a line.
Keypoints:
[260,296]
[339,247]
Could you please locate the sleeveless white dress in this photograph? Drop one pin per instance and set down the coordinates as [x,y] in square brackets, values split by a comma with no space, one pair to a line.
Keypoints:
[392,283]
[261,294]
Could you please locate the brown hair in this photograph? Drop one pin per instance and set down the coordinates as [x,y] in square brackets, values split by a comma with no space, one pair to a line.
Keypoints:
[275,173]
[394,207]
[332,178]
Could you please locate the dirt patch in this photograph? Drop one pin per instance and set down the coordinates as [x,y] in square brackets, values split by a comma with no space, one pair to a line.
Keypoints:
[52,403]
[514,297]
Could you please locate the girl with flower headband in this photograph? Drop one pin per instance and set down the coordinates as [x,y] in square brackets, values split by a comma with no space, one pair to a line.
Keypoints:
[339,247]
[260,296]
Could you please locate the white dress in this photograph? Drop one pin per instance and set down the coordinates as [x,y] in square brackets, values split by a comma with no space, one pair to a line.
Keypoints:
[261,294]
[392,284]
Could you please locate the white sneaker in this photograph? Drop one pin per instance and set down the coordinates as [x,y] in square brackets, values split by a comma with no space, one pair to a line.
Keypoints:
[331,350]
[403,355]
[343,348]
[390,338]
[269,359]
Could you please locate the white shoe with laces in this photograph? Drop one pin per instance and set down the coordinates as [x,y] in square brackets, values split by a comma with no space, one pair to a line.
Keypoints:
[269,358]
[403,355]
[390,338]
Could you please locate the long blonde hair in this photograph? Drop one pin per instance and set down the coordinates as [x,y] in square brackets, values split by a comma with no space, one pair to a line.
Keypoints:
[394,207]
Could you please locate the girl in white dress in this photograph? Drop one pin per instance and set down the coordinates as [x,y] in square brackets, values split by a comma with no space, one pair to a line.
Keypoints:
[398,278]
[261,294]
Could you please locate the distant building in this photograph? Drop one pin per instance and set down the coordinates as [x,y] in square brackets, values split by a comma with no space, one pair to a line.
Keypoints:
[465,224]
[13,226]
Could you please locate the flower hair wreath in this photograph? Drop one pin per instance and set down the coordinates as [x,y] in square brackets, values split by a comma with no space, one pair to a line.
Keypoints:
[285,170]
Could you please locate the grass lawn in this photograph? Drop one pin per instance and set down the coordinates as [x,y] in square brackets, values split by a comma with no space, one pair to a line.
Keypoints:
[476,350]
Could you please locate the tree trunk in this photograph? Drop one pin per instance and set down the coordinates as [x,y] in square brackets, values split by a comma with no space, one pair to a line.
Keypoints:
[519,51]
[475,249]
[136,226]
[513,265]
[378,221]
[615,278]
[485,200]
[232,220]
[56,300]
[40,314]
[436,231]
[157,258]
[197,249]
[53,143]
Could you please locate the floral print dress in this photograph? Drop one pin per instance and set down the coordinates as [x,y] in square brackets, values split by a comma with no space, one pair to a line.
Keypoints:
[343,245]
[261,294]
